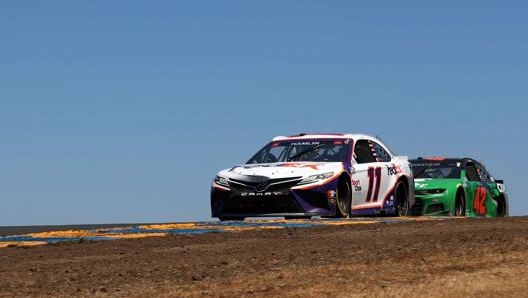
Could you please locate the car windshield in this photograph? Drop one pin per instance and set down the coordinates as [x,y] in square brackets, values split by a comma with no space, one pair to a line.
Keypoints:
[435,169]
[328,150]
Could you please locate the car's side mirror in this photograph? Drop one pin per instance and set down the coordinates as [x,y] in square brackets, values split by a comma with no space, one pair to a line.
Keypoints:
[499,181]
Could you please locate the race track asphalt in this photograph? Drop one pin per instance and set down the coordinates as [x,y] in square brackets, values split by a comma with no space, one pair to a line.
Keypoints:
[38,235]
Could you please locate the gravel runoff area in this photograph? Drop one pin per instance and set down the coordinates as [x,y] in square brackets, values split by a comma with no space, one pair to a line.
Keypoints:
[438,258]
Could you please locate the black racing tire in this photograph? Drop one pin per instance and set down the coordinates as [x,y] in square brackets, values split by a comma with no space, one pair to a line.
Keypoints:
[231,218]
[501,207]
[401,199]
[343,199]
[460,204]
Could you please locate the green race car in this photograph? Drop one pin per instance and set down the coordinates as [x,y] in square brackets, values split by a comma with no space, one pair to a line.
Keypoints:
[457,187]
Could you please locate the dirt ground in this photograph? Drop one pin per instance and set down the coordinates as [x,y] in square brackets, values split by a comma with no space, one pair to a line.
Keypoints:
[440,258]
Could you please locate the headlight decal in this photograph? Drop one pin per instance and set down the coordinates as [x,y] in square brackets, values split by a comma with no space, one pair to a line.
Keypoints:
[434,191]
[221,181]
[316,178]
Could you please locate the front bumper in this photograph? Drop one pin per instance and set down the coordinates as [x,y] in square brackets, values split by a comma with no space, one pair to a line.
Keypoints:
[283,201]
[431,205]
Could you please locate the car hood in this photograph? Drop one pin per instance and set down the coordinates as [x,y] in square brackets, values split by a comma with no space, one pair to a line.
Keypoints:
[283,169]
[432,183]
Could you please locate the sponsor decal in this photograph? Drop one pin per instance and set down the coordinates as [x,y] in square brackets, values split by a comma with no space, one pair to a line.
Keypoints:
[393,170]
[331,194]
[305,143]
[299,165]
[356,184]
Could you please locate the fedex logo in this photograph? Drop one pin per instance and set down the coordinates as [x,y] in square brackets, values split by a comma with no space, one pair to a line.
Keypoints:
[393,170]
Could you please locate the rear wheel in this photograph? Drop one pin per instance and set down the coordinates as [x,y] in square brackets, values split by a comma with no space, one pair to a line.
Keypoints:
[460,204]
[402,199]
[501,207]
[343,199]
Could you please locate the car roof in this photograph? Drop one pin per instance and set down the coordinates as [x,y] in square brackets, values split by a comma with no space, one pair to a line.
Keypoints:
[442,159]
[304,136]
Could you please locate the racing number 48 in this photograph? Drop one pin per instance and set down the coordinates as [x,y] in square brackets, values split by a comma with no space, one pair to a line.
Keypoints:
[374,175]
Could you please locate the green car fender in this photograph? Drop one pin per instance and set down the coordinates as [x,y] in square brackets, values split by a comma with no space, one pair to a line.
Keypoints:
[458,186]
[446,193]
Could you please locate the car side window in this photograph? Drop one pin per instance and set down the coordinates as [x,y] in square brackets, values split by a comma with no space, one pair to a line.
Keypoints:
[363,152]
[381,153]
[471,172]
[483,173]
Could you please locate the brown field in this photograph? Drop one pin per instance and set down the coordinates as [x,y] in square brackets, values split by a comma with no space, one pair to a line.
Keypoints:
[439,258]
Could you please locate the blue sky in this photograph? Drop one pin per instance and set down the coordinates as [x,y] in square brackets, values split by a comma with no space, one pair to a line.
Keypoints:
[123,111]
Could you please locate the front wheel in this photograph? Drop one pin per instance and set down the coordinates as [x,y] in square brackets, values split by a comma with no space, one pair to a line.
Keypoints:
[402,199]
[343,199]
[460,204]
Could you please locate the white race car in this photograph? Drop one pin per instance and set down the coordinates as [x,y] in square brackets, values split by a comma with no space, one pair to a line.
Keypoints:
[328,175]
